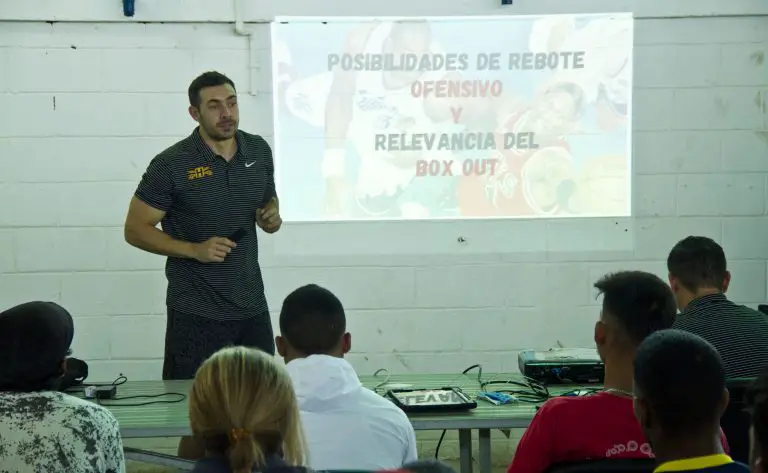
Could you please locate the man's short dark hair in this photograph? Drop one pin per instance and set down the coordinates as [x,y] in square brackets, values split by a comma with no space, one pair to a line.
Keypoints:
[681,378]
[312,320]
[640,302]
[698,262]
[757,404]
[203,81]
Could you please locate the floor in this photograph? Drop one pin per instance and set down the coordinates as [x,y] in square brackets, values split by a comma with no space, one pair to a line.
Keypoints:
[502,450]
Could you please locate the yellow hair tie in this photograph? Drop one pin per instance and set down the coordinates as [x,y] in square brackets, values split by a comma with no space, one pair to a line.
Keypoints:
[236,435]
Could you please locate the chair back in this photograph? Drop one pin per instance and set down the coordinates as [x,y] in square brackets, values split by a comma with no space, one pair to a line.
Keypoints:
[623,465]
[735,421]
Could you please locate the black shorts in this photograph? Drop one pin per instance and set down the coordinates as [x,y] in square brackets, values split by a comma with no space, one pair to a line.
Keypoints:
[191,339]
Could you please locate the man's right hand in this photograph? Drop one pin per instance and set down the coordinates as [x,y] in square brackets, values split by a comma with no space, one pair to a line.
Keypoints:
[213,250]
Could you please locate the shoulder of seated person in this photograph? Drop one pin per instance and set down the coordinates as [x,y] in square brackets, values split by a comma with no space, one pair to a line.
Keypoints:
[738,466]
[84,405]
[72,406]
[562,403]
[384,409]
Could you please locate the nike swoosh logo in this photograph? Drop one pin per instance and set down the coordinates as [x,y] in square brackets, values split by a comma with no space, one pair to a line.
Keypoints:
[250,164]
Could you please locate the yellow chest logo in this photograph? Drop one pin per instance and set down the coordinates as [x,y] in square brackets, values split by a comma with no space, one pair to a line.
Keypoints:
[199,173]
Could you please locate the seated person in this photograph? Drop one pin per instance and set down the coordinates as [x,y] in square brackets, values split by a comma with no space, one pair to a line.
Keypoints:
[369,432]
[243,410]
[41,429]
[699,279]
[602,425]
[757,400]
[680,395]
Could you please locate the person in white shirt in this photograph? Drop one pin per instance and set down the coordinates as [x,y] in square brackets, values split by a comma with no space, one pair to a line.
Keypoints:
[41,429]
[347,426]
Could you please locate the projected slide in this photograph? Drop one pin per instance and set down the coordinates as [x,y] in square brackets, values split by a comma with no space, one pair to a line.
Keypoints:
[453,117]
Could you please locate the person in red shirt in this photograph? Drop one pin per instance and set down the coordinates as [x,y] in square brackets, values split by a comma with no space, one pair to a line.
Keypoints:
[603,425]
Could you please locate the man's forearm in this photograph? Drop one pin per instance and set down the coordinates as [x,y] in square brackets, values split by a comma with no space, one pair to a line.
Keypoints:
[154,240]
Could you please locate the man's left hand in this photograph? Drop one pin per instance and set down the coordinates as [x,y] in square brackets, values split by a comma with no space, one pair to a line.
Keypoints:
[268,218]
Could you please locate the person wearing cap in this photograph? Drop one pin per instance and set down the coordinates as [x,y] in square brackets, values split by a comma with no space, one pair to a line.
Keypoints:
[42,429]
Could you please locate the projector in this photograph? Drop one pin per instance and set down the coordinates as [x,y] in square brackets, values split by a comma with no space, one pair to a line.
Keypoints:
[562,366]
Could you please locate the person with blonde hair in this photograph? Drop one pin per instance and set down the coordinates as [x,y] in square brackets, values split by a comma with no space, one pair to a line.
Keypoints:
[242,407]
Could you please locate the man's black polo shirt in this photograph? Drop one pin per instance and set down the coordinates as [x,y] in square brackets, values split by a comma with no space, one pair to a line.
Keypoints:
[204,196]
[739,334]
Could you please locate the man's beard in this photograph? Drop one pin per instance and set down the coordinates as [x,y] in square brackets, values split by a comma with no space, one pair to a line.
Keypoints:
[218,135]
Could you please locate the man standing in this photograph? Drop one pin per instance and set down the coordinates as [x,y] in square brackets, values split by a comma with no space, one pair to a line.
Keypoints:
[204,190]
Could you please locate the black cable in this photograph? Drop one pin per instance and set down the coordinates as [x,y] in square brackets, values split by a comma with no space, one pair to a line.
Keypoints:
[122,379]
[528,390]
[439,442]
[383,383]
[525,391]
[110,403]
[442,435]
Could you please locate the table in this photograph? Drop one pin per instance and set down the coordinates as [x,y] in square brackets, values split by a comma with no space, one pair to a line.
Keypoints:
[172,420]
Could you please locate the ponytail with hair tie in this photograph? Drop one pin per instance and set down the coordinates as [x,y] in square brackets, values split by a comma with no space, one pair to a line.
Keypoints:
[236,435]
[244,452]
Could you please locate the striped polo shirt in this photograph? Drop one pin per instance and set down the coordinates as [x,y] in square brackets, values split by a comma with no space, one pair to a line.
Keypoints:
[739,334]
[205,196]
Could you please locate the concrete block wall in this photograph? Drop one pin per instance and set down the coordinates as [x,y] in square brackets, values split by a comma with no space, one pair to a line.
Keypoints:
[88,99]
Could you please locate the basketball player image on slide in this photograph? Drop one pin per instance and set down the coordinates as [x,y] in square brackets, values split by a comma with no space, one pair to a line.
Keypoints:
[528,182]
[607,78]
[546,181]
[602,181]
[361,104]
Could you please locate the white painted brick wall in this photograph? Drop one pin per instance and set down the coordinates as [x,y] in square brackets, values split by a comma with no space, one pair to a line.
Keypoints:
[86,105]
